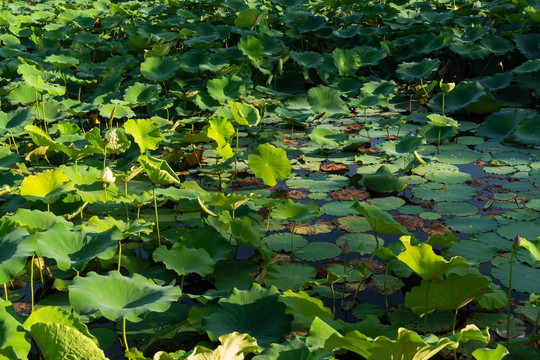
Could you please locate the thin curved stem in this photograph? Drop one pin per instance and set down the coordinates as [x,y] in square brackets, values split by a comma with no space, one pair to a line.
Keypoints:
[292,241]
[531,340]
[157,218]
[124,333]
[5,292]
[509,308]
[119,254]
[32,280]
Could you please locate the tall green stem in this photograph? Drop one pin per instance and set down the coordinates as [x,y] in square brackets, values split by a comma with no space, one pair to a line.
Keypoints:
[5,291]
[124,333]
[385,294]
[443,103]
[333,299]
[531,341]
[119,254]
[368,266]
[157,218]
[292,241]
[32,280]
[427,298]
[509,308]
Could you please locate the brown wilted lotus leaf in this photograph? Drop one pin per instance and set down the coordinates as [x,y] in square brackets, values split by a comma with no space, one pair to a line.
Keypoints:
[296,194]
[346,194]
[333,167]
[410,222]
[313,228]
[435,228]
[376,266]
[476,182]
[240,183]
[365,148]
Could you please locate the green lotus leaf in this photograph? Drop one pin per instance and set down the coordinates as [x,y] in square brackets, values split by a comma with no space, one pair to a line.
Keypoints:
[116,296]
[46,186]
[424,262]
[490,354]
[245,114]
[528,67]
[380,221]
[307,59]
[15,121]
[74,249]
[404,146]
[528,132]
[472,224]
[526,229]
[226,88]
[22,94]
[57,315]
[369,101]
[127,228]
[326,100]
[75,146]
[448,177]
[62,61]
[120,111]
[534,248]
[304,307]
[159,68]
[383,181]
[256,312]
[184,260]
[528,44]
[15,248]
[316,251]
[56,341]
[414,71]
[39,85]
[360,243]
[145,132]
[295,211]
[221,131]
[325,136]
[314,228]
[233,346]
[250,18]
[319,182]
[36,220]
[371,56]
[39,137]
[158,170]
[293,349]
[408,345]
[347,61]
[470,50]
[270,163]
[141,93]
[457,158]
[444,192]
[290,276]
[251,46]
[464,94]
[282,241]
[8,160]
[451,293]
[244,234]
[528,280]
[442,121]
[445,240]
[14,341]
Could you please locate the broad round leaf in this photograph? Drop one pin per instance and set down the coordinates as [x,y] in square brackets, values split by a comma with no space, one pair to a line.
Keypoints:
[444,192]
[325,136]
[14,340]
[184,260]
[159,68]
[326,100]
[414,71]
[120,297]
[381,222]
[305,308]
[15,248]
[221,130]
[158,170]
[145,132]
[295,211]
[290,276]
[256,312]
[46,186]
[270,163]
[141,93]
[383,181]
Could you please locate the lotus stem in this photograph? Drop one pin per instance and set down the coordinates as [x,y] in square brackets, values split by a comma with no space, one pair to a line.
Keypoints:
[292,131]
[439,142]
[32,281]
[43,114]
[384,288]
[292,241]
[119,254]
[5,291]
[157,218]
[443,103]
[333,299]
[509,308]
[106,201]
[14,143]
[126,193]
[426,314]
[124,333]
[48,207]
[530,341]
[454,323]
[368,266]
[366,125]
[182,283]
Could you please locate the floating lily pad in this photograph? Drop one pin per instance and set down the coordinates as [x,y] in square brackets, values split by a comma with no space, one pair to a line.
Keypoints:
[472,224]
[338,208]
[319,182]
[444,192]
[360,243]
[282,241]
[353,223]
[528,230]
[527,281]
[290,276]
[458,157]
[388,203]
[316,251]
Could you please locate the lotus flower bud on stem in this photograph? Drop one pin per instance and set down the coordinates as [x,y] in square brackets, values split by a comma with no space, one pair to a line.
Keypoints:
[345,248]
[516,242]
[107,176]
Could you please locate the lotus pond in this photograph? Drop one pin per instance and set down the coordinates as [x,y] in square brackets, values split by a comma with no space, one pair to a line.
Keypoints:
[278,179]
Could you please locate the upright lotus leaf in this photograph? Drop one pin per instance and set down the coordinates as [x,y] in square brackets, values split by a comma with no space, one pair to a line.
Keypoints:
[404,146]
[15,121]
[245,235]
[38,136]
[158,170]
[249,18]
[294,349]
[295,211]
[325,136]
[304,307]
[326,100]
[116,296]
[57,315]
[424,262]
[442,121]
[347,61]
[490,354]
[245,114]
[270,163]
[415,71]
[184,260]
[134,227]
[256,312]
[145,132]
[463,95]
[450,293]
[307,59]
[141,93]
[60,341]
[74,249]
[14,341]
[502,124]
[159,68]
[234,346]
[383,181]
[75,146]
[221,131]
[534,248]
[46,186]
[409,345]
[380,221]
[252,47]
[37,220]
[15,248]
[62,61]
[121,110]
[528,132]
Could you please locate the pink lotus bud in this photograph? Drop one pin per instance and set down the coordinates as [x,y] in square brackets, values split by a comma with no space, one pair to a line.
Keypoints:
[345,248]
[516,242]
